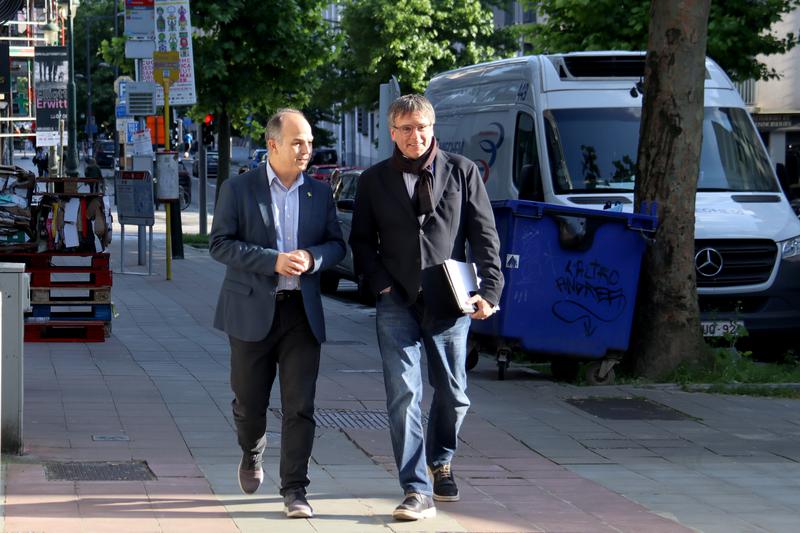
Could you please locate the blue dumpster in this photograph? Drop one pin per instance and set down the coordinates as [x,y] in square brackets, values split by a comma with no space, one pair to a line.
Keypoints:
[571,276]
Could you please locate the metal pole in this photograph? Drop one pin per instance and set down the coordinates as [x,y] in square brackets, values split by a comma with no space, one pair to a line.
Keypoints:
[201,165]
[72,135]
[89,122]
[116,133]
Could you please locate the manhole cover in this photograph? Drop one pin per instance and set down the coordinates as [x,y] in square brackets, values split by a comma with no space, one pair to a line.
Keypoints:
[627,409]
[348,419]
[99,471]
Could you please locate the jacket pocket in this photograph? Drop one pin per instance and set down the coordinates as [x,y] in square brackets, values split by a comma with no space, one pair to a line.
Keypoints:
[237,287]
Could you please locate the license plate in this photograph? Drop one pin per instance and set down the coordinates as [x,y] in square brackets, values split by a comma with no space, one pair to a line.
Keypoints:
[718,328]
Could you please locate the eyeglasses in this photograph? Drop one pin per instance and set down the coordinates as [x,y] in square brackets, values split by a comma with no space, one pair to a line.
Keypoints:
[408,129]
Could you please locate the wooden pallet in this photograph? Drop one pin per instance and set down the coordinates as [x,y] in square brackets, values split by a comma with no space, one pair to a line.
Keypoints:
[79,312]
[53,260]
[65,331]
[70,295]
[75,277]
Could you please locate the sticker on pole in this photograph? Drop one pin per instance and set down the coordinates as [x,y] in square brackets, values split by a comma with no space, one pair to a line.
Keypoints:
[512,260]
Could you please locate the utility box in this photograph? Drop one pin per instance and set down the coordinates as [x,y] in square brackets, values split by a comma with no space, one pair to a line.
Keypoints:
[15,299]
[167,174]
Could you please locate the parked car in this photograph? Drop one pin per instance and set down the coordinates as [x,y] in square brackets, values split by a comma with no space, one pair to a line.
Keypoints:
[212,163]
[104,153]
[321,172]
[324,156]
[344,193]
[258,157]
[185,185]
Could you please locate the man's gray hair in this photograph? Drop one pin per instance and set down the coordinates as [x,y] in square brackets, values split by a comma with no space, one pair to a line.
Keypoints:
[411,103]
[275,122]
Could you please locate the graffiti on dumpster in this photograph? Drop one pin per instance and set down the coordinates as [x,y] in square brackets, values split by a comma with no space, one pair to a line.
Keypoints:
[591,293]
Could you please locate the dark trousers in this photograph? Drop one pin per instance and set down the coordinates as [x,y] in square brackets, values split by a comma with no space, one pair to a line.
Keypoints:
[290,350]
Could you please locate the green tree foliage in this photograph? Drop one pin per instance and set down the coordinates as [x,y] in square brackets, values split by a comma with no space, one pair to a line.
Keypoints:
[254,56]
[738,30]
[94,19]
[412,40]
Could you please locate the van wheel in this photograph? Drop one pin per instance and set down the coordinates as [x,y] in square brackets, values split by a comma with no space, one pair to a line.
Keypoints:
[328,283]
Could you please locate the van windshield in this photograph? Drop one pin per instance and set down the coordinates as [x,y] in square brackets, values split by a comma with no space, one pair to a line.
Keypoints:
[595,150]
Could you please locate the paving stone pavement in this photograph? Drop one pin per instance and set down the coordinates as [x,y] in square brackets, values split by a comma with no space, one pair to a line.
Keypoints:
[528,460]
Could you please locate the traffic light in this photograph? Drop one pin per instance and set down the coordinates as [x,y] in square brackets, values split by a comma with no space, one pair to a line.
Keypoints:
[208,130]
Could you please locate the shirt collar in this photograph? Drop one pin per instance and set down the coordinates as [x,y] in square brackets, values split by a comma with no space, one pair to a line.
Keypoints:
[271,177]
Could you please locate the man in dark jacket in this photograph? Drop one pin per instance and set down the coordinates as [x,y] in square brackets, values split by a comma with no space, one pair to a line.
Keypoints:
[275,229]
[413,211]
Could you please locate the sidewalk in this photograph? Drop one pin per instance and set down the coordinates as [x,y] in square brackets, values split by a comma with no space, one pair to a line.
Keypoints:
[157,391]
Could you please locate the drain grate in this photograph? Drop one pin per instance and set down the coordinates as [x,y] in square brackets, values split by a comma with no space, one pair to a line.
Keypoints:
[110,438]
[627,409]
[99,471]
[349,419]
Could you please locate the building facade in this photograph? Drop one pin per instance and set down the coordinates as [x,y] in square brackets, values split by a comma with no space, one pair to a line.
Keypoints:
[775,106]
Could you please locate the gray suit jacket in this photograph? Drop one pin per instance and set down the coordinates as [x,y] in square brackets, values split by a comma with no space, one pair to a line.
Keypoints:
[243,237]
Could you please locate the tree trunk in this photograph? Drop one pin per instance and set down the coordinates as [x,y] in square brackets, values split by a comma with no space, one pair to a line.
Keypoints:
[667,326]
[223,149]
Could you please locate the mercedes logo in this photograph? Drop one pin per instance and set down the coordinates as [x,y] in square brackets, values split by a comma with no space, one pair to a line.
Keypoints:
[708,262]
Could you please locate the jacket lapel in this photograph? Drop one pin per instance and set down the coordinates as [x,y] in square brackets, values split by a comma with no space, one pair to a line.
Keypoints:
[305,207]
[441,172]
[264,199]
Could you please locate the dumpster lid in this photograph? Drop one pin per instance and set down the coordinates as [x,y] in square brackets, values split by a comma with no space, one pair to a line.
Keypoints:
[528,208]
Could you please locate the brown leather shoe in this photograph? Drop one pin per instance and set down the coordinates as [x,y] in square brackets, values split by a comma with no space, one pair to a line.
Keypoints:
[250,473]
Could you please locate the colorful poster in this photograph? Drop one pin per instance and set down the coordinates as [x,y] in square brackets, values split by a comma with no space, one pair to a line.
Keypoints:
[173,33]
[50,82]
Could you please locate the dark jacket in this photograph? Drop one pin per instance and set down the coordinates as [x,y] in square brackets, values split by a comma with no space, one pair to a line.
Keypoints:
[243,237]
[390,246]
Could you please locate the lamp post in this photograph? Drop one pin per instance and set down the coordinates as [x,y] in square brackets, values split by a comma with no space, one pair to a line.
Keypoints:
[71,159]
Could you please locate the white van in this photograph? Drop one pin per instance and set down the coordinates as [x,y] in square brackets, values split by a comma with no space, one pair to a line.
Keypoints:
[564,129]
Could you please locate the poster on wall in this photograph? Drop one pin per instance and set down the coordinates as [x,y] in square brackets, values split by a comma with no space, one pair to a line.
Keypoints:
[173,33]
[50,80]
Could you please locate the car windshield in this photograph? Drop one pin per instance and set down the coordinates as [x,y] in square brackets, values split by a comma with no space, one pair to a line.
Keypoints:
[595,150]
[107,146]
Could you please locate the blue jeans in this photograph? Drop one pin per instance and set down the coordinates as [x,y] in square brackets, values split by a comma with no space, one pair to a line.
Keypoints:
[402,332]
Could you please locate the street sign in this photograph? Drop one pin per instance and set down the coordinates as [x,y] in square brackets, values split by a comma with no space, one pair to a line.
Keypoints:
[133,127]
[122,111]
[121,88]
[135,198]
[166,67]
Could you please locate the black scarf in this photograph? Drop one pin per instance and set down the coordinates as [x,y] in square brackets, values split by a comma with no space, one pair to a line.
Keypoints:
[423,168]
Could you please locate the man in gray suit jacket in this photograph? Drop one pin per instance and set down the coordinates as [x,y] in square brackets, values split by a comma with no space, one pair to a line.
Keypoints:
[275,229]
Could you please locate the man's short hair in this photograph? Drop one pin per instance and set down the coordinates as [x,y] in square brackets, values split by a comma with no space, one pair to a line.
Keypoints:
[275,122]
[411,103]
